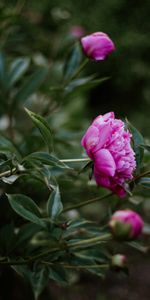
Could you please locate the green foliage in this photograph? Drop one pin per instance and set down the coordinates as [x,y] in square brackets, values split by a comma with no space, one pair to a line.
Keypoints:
[26,208]
[54,205]
[72,62]
[30,86]
[138,140]
[47,232]
[43,126]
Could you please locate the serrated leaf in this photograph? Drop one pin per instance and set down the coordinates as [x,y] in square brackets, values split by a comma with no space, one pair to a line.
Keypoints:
[26,208]
[30,86]
[72,62]
[54,205]
[43,127]
[17,69]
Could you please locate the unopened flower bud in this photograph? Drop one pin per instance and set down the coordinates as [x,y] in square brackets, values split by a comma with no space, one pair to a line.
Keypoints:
[97,46]
[119,261]
[126,224]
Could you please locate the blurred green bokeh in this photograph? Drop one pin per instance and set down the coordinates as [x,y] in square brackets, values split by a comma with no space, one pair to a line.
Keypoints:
[29,27]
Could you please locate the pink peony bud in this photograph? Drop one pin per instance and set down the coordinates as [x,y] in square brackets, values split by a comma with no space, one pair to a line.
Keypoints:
[119,261]
[126,224]
[77,31]
[107,143]
[97,45]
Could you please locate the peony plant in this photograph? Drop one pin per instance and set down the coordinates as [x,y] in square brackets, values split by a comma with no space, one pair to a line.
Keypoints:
[44,184]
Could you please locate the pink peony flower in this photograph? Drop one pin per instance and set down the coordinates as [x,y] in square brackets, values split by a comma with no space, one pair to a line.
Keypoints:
[107,143]
[77,31]
[97,45]
[126,223]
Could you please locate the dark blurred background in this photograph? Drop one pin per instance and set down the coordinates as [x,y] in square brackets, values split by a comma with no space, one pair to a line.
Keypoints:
[34,27]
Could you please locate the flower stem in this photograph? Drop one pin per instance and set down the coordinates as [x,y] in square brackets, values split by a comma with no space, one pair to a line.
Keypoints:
[90,242]
[8,173]
[90,201]
[83,243]
[74,160]
[141,175]
[81,67]
[103,266]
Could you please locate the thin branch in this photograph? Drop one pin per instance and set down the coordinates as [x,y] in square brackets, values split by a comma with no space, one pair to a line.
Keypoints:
[90,201]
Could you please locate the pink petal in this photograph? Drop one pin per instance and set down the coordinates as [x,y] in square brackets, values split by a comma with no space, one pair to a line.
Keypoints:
[104,162]
[90,139]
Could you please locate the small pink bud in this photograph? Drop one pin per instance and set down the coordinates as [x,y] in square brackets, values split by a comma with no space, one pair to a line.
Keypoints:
[77,31]
[126,224]
[119,261]
[97,46]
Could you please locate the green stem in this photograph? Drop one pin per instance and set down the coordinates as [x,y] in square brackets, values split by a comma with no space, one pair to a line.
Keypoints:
[90,201]
[75,160]
[81,67]
[8,173]
[141,175]
[90,242]
[103,266]
[84,243]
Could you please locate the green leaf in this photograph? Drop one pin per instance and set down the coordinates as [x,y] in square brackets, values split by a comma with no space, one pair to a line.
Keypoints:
[17,69]
[2,69]
[86,167]
[147,147]
[6,244]
[46,159]
[145,182]
[138,140]
[7,146]
[72,62]
[39,279]
[30,86]
[82,84]
[138,246]
[43,127]
[26,208]
[58,274]
[26,233]
[54,205]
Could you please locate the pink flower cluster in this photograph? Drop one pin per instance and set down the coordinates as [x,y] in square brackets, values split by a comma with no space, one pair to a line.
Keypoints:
[97,46]
[107,143]
[131,223]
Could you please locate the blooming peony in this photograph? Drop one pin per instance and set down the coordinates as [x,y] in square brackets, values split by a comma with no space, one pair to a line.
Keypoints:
[97,46]
[126,224]
[107,143]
